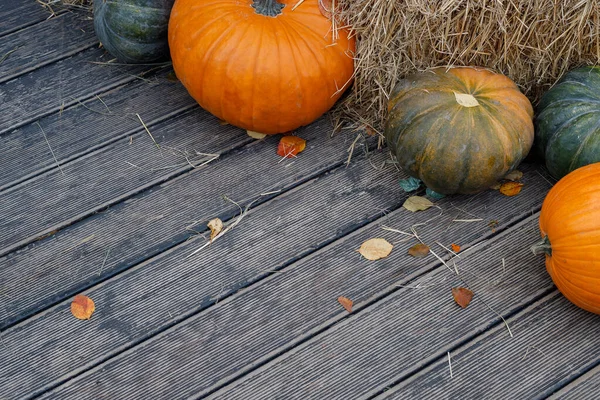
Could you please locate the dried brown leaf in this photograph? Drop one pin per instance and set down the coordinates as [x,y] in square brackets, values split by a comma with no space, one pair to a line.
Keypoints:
[346,303]
[82,307]
[462,296]
[419,250]
[417,203]
[376,248]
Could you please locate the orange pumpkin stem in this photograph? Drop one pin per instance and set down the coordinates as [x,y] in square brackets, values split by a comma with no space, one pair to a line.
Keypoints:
[269,8]
[542,246]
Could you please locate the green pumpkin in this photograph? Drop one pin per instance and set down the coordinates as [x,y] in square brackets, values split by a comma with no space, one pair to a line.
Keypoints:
[133,31]
[568,122]
[458,130]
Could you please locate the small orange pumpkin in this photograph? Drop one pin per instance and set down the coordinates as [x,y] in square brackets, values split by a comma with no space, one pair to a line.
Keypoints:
[570,227]
[260,64]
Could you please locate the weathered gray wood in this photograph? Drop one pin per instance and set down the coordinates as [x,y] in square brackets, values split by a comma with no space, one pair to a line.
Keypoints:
[42,44]
[554,342]
[88,126]
[18,14]
[587,386]
[48,270]
[61,84]
[110,174]
[151,296]
[276,314]
[399,334]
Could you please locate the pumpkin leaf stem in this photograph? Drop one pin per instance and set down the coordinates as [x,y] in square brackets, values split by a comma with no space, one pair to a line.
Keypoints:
[269,8]
[542,246]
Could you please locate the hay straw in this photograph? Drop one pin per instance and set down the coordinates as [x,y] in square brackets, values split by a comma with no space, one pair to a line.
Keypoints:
[533,42]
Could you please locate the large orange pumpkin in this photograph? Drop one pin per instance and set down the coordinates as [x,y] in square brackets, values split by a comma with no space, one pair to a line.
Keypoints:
[570,227]
[260,65]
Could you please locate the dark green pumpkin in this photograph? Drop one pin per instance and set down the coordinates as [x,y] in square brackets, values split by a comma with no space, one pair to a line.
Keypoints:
[458,130]
[568,122]
[133,31]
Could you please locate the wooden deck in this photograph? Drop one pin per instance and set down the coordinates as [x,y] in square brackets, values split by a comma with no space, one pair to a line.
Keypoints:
[89,204]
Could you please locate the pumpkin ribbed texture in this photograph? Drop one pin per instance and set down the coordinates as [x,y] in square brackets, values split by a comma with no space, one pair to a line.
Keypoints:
[570,222]
[268,74]
[568,122]
[459,130]
[133,31]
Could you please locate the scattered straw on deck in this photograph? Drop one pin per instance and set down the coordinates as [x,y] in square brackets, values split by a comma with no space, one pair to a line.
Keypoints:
[531,41]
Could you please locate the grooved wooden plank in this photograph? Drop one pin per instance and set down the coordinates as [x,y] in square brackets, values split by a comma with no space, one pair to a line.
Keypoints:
[61,84]
[554,342]
[48,270]
[41,44]
[586,386]
[276,314]
[417,323]
[145,299]
[16,14]
[87,126]
[86,185]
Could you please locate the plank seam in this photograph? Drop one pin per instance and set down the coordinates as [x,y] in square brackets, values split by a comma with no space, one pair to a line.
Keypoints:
[477,334]
[560,388]
[341,320]
[90,151]
[81,99]
[176,242]
[260,280]
[29,25]
[226,297]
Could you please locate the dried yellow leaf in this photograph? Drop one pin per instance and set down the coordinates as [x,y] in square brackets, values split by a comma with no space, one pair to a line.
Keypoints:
[514,175]
[417,203]
[216,226]
[466,100]
[256,135]
[376,248]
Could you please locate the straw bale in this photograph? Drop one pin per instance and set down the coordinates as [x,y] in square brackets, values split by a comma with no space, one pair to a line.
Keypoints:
[533,42]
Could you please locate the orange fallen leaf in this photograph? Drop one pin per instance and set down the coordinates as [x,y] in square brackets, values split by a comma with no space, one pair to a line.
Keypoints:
[419,250]
[216,226]
[511,188]
[455,247]
[376,248]
[462,296]
[82,307]
[370,131]
[346,303]
[290,146]
[325,8]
